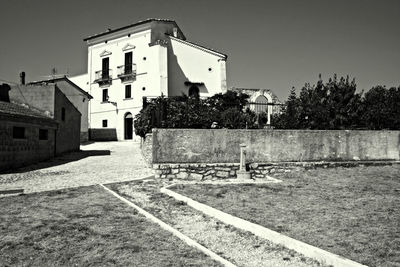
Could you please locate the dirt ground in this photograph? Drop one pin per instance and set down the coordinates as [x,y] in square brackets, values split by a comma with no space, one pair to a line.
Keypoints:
[100,162]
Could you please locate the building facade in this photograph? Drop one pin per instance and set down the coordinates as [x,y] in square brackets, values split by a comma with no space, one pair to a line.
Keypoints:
[78,97]
[51,101]
[26,135]
[261,101]
[146,59]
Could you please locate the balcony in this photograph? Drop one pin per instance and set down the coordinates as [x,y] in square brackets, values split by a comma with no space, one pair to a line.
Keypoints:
[127,72]
[103,77]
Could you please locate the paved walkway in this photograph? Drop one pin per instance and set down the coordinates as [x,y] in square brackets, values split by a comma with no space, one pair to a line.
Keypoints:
[101,162]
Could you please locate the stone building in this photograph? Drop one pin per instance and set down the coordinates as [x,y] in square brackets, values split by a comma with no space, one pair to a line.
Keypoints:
[51,101]
[145,59]
[26,134]
[78,97]
[261,100]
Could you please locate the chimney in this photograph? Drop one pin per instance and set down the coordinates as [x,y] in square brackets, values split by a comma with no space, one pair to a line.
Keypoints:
[22,77]
[4,88]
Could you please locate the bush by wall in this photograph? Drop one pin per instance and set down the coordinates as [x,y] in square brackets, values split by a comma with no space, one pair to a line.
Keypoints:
[219,111]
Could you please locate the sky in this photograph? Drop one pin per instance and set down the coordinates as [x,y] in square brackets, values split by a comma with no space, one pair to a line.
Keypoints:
[270,44]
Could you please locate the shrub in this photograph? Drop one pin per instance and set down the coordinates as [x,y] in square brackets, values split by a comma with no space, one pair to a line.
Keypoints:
[227,110]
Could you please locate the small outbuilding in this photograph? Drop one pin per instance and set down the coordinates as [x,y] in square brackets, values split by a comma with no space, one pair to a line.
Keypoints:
[27,135]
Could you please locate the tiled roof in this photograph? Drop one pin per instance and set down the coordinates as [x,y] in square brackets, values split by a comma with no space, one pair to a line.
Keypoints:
[128,26]
[21,110]
[63,78]
[201,47]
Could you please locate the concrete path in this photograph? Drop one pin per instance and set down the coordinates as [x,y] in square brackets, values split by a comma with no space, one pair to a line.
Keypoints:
[97,163]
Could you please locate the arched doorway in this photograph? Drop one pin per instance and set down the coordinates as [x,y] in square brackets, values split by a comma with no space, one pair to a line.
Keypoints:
[194,91]
[128,126]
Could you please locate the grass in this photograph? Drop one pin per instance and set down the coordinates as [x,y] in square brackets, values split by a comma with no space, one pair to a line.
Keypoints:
[353,212]
[239,247]
[85,226]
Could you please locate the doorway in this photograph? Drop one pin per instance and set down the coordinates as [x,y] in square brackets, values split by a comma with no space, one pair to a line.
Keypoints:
[128,125]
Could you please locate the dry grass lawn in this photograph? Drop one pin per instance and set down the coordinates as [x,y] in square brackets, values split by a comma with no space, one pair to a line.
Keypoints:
[85,227]
[353,212]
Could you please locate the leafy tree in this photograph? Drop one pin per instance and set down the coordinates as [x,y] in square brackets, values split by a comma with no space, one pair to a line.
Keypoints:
[381,108]
[333,105]
[228,110]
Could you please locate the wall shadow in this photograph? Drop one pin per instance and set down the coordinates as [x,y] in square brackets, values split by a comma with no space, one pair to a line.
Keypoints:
[177,77]
[59,160]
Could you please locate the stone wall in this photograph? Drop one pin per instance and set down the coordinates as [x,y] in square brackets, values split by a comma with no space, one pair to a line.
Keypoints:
[103,134]
[222,145]
[146,147]
[221,171]
[69,129]
[16,153]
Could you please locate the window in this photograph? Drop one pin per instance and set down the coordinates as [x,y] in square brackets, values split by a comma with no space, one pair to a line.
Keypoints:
[105,95]
[128,91]
[63,114]
[18,132]
[128,63]
[43,134]
[105,67]
[104,123]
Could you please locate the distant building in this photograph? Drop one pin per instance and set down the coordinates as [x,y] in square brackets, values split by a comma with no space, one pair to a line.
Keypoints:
[51,101]
[148,58]
[26,134]
[78,97]
[261,100]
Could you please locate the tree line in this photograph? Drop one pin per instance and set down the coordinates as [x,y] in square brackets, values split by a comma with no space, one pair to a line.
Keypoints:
[336,105]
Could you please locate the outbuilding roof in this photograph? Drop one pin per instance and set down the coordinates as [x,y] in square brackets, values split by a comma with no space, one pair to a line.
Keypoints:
[22,110]
[63,78]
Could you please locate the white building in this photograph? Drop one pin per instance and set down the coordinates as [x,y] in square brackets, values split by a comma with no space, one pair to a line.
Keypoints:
[148,58]
[261,101]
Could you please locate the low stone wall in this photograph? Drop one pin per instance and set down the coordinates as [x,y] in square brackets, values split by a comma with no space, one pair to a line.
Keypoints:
[223,145]
[103,134]
[218,171]
[146,147]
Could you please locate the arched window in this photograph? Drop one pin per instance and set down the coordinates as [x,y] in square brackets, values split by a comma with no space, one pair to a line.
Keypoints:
[261,104]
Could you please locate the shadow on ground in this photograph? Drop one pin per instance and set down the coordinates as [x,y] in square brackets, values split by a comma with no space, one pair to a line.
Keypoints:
[60,160]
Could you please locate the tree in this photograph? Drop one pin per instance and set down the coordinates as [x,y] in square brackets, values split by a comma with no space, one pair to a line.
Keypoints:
[333,105]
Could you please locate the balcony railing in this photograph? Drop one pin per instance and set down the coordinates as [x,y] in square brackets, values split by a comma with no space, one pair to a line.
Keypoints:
[127,72]
[103,76]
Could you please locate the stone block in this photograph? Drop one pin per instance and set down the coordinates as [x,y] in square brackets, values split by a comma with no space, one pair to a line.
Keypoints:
[222,169]
[232,173]
[207,177]
[182,175]
[171,176]
[196,176]
[209,172]
[175,171]
[166,171]
[222,174]
[254,165]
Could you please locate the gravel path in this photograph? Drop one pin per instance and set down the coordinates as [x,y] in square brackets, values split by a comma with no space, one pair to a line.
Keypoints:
[101,162]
